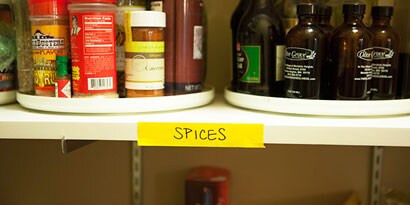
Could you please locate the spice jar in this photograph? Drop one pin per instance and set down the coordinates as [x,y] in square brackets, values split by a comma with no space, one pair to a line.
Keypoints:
[93,52]
[7,47]
[144,53]
[49,30]
[24,55]
[122,7]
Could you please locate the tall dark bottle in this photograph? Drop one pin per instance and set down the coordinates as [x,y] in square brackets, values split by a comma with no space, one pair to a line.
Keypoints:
[261,40]
[236,17]
[386,48]
[305,55]
[351,55]
[324,16]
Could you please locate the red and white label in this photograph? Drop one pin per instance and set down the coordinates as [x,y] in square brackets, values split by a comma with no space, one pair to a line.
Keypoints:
[63,88]
[93,52]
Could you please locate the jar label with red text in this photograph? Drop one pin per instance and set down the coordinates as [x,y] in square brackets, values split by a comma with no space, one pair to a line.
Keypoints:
[47,42]
[93,52]
[144,65]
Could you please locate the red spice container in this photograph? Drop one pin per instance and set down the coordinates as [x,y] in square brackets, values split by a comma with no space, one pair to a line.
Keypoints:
[49,30]
[92,32]
[207,186]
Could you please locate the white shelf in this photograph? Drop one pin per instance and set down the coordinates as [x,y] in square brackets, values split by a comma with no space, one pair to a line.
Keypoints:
[20,123]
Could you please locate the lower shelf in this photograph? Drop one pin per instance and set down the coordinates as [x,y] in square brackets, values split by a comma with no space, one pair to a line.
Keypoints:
[318,107]
[116,105]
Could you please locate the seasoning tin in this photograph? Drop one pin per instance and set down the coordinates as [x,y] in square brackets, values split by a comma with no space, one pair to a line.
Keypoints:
[49,30]
[144,53]
[92,33]
[7,47]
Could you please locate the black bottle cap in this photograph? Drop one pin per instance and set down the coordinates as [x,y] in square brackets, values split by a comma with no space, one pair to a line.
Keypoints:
[354,9]
[382,11]
[307,9]
[325,10]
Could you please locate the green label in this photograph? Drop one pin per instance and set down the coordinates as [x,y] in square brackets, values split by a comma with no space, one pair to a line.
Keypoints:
[250,70]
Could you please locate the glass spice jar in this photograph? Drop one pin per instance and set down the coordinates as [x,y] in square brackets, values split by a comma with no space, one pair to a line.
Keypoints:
[144,53]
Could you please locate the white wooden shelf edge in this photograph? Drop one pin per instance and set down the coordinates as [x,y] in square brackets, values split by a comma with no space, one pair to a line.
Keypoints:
[20,123]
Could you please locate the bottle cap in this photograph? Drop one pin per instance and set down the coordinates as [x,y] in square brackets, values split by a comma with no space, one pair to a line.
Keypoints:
[325,10]
[382,11]
[354,9]
[62,63]
[48,7]
[307,9]
[148,19]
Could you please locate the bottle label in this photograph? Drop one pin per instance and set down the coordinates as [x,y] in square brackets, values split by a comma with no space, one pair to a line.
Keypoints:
[382,62]
[280,62]
[63,88]
[299,54]
[93,52]
[198,42]
[144,65]
[47,42]
[365,54]
[249,64]
[364,68]
[299,64]
[157,6]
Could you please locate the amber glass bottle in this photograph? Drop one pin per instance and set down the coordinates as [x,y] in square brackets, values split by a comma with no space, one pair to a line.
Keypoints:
[236,17]
[305,55]
[324,15]
[261,39]
[351,55]
[386,48]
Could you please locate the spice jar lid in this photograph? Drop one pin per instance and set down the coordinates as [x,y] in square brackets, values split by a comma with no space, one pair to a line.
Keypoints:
[354,9]
[307,9]
[382,11]
[48,7]
[148,19]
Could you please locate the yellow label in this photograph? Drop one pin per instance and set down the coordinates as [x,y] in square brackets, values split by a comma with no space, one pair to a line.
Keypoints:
[201,135]
[144,46]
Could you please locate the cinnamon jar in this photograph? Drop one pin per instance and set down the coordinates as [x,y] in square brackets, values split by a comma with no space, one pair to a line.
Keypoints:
[144,53]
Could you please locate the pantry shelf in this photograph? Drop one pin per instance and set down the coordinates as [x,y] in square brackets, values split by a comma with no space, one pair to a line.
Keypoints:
[17,122]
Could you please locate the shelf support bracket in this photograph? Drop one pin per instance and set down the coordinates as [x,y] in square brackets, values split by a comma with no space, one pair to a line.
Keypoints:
[68,146]
[136,174]
[377,167]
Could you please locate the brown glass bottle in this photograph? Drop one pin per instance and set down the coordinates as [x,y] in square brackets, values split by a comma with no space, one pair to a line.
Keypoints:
[305,55]
[351,45]
[324,15]
[386,46]
[261,38]
[235,18]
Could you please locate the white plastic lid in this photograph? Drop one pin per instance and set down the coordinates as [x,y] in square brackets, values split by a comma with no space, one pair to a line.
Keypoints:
[148,19]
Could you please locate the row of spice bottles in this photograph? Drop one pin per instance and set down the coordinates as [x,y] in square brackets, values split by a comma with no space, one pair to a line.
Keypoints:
[137,51]
[263,63]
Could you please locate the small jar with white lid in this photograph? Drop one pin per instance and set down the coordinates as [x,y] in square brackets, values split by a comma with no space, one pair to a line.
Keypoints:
[144,53]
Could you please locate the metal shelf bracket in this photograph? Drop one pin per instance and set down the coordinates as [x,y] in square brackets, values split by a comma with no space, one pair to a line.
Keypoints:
[377,167]
[68,146]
